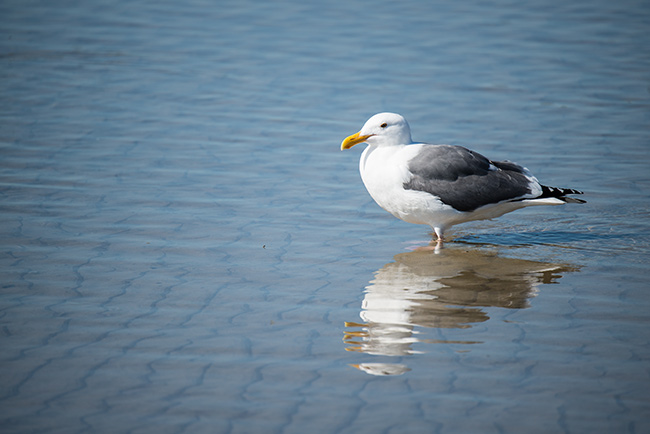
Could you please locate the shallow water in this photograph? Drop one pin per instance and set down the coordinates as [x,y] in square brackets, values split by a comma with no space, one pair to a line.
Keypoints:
[185,249]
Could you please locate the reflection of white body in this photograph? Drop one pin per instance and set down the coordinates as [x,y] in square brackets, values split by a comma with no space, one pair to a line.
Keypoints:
[394,293]
[383,369]
[446,290]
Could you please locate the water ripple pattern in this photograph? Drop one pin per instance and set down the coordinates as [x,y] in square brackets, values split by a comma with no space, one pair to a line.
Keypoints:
[184,249]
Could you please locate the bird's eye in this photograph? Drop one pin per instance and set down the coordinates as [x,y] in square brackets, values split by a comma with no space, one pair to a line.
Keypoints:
[384,125]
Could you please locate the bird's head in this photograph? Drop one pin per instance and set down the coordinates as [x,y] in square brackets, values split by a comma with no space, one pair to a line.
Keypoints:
[383,129]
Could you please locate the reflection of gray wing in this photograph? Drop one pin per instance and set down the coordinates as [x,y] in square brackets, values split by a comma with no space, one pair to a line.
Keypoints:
[465,179]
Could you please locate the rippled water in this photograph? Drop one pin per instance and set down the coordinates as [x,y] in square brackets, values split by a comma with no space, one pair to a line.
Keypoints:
[185,249]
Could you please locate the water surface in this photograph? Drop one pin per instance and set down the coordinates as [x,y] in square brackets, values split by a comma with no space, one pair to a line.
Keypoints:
[185,249]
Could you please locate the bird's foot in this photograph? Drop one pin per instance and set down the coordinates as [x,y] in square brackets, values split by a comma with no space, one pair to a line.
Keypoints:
[434,246]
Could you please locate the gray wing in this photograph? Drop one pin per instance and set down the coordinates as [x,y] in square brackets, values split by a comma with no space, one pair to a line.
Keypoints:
[465,179]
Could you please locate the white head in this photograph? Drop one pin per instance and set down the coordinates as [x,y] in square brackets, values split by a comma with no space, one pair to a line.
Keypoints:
[383,129]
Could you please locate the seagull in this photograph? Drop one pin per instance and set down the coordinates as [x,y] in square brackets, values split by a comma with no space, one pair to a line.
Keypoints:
[442,185]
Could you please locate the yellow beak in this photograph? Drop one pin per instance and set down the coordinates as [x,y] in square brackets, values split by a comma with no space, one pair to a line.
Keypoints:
[352,140]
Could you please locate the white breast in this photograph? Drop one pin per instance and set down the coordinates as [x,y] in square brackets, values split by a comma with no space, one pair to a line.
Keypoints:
[384,170]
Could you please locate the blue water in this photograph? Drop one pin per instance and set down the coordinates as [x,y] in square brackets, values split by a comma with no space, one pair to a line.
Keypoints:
[184,248]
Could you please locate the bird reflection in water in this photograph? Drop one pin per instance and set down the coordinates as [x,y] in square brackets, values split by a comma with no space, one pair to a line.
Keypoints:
[445,291]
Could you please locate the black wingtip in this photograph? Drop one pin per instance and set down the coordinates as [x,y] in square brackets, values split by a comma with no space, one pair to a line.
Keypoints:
[561,193]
